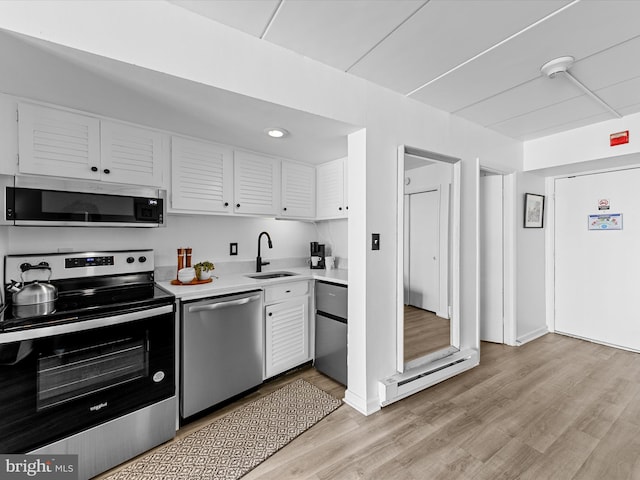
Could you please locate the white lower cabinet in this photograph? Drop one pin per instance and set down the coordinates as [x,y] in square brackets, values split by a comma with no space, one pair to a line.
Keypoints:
[286,327]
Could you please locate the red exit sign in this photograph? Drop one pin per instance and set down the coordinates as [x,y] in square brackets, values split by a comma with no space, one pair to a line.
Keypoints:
[619,138]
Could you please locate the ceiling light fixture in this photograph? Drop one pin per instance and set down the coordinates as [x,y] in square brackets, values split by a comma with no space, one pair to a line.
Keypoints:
[276,132]
[560,66]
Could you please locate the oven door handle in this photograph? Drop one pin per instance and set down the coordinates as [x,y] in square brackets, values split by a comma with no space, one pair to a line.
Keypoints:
[73,327]
[231,303]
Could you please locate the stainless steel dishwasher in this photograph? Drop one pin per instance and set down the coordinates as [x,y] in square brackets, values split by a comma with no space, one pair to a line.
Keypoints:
[331,330]
[222,349]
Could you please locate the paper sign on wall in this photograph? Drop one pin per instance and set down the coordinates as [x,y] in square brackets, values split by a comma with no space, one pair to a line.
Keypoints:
[609,221]
[603,204]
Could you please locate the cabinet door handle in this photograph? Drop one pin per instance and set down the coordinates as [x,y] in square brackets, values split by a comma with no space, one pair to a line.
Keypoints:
[237,205]
[226,204]
[270,314]
[340,208]
[94,169]
[285,209]
[215,306]
[107,171]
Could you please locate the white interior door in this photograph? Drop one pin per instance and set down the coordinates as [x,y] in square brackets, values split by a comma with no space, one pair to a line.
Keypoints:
[491,259]
[424,250]
[597,272]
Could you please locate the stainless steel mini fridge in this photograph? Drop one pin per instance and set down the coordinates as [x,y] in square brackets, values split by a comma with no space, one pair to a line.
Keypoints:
[331,330]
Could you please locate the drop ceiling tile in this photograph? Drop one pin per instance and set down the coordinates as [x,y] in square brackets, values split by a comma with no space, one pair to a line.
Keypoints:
[570,32]
[337,33]
[249,16]
[609,66]
[622,95]
[525,98]
[444,34]
[601,117]
[559,114]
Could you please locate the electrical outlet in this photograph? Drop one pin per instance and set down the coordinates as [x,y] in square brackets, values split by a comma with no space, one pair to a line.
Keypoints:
[233,249]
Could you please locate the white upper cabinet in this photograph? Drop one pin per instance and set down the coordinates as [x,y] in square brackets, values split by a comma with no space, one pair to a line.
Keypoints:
[56,142]
[66,144]
[256,186]
[331,193]
[130,154]
[201,176]
[298,190]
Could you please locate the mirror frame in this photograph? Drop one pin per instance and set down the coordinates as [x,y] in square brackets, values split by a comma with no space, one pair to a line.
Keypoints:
[454,253]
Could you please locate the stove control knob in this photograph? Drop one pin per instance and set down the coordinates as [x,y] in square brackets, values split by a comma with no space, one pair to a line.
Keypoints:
[130,259]
[142,259]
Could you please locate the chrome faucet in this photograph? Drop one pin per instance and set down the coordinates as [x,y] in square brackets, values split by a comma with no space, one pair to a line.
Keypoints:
[259,262]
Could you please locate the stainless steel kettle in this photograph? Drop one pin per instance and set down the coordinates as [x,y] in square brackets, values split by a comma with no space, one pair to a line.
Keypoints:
[34,298]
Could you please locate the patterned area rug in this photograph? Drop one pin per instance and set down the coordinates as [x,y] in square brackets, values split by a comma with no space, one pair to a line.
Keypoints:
[232,445]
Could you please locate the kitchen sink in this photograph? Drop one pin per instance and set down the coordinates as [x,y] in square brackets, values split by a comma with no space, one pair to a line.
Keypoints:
[267,275]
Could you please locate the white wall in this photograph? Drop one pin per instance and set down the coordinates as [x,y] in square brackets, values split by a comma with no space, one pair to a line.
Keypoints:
[177,42]
[209,236]
[334,234]
[530,268]
[581,145]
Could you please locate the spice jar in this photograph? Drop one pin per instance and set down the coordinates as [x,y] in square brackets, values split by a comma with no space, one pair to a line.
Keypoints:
[181,253]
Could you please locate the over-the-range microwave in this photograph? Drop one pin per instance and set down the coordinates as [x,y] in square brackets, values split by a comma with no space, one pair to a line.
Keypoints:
[47,201]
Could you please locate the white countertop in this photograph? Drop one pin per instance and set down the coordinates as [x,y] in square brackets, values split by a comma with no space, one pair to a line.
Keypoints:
[237,282]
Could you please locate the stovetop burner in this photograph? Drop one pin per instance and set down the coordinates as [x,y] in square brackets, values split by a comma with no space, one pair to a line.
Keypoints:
[90,285]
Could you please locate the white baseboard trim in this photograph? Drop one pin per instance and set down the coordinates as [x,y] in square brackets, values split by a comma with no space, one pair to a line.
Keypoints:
[532,336]
[612,345]
[359,404]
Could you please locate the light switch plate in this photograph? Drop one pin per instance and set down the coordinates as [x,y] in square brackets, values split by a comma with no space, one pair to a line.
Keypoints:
[375,241]
[233,249]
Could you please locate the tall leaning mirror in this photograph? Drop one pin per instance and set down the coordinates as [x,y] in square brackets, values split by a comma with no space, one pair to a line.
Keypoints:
[428,246]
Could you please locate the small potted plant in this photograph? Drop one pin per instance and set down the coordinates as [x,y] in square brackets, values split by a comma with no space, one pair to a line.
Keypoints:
[203,270]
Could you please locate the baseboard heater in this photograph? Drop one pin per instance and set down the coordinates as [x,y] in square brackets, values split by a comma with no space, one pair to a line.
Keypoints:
[412,381]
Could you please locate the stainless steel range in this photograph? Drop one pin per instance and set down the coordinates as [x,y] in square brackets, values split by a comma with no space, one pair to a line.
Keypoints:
[92,372]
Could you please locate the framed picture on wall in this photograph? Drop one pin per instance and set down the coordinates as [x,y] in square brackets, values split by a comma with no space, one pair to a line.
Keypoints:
[533,210]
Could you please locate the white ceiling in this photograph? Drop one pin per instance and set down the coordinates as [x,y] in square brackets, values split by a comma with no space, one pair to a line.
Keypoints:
[479,59]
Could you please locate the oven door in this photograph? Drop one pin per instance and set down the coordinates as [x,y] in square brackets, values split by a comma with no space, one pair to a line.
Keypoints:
[58,384]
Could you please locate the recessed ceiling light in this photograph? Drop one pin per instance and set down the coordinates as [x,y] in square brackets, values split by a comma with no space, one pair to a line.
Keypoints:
[276,132]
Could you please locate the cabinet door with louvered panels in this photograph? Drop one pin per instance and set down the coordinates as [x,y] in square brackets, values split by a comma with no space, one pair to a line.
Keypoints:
[130,154]
[58,142]
[256,185]
[298,190]
[201,176]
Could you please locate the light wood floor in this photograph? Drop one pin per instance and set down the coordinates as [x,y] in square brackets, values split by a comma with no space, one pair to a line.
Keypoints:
[424,332]
[556,408]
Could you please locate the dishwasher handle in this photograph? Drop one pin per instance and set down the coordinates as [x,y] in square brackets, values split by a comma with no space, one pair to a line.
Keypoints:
[230,303]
